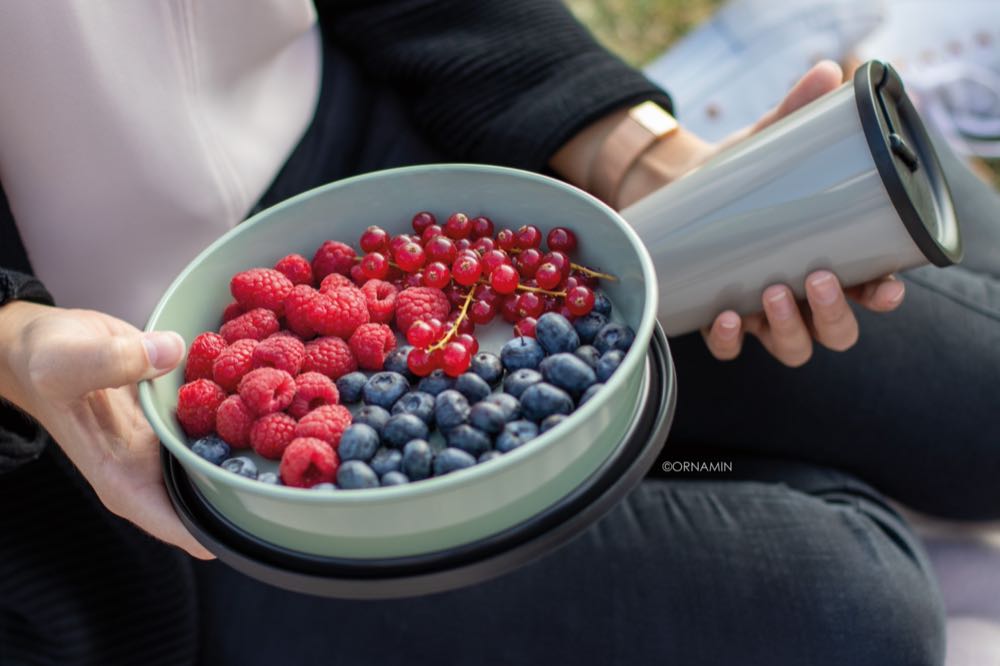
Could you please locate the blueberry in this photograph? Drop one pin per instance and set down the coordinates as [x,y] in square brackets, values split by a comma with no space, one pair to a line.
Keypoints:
[269,478]
[543,399]
[212,449]
[473,387]
[450,409]
[588,325]
[488,417]
[354,474]
[386,460]
[395,361]
[488,456]
[359,442]
[515,383]
[417,459]
[614,336]
[385,388]
[608,363]
[372,415]
[555,334]
[550,422]
[589,393]
[435,382]
[515,434]
[568,372]
[350,386]
[401,428]
[326,485]
[487,366]
[588,354]
[510,405]
[471,440]
[394,479]
[451,460]
[241,465]
[418,403]
[601,304]
[520,353]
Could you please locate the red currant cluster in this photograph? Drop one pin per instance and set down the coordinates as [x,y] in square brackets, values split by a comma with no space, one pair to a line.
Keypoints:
[483,275]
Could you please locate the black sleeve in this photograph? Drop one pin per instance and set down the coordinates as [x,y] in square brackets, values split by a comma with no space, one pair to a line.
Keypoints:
[21,439]
[498,81]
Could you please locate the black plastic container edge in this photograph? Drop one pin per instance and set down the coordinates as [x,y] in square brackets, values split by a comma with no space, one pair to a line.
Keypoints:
[458,567]
[869,79]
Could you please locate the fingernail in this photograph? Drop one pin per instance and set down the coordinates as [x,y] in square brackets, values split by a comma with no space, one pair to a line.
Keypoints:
[163,348]
[729,324]
[781,306]
[825,289]
[897,291]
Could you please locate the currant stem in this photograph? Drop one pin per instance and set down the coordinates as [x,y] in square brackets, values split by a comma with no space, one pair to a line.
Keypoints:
[458,322]
[577,267]
[537,290]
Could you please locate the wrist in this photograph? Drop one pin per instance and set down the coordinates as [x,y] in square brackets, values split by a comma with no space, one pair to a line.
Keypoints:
[15,319]
[662,163]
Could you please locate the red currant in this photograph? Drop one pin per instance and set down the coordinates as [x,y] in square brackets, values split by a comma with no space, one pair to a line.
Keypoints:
[429,233]
[482,227]
[464,326]
[396,243]
[421,362]
[464,244]
[561,239]
[410,257]
[493,259]
[506,239]
[565,312]
[456,359]
[421,334]
[548,276]
[437,275]
[375,239]
[375,266]
[503,279]
[483,245]
[458,226]
[525,327]
[466,270]
[422,220]
[469,342]
[561,261]
[441,248]
[508,309]
[482,312]
[527,262]
[584,279]
[552,303]
[358,275]
[528,236]
[530,304]
[456,294]
[485,292]
[580,300]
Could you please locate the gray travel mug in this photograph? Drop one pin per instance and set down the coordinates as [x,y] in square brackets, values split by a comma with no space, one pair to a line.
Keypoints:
[849,183]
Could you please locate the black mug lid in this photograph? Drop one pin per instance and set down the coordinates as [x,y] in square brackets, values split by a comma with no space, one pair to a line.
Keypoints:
[907,162]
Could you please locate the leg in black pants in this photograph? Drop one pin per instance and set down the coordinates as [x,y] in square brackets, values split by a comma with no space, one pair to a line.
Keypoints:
[779,562]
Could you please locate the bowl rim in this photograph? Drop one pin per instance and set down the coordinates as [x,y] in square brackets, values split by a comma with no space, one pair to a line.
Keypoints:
[434,485]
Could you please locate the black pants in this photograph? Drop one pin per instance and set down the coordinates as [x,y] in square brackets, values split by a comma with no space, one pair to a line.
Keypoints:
[793,558]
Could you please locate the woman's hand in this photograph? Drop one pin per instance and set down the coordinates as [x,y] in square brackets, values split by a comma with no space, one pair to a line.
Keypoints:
[787,329]
[76,371]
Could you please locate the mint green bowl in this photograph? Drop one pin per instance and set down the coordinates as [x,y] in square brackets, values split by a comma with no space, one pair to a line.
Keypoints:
[440,513]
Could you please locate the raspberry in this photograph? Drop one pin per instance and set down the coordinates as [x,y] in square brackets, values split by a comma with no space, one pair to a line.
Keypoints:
[332,257]
[334,281]
[235,361]
[308,461]
[329,356]
[338,312]
[260,288]
[281,351]
[267,390]
[299,303]
[256,325]
[327,423]
[271,434]
[312,390]
[371,343]
[296,268]
[232,311]
[420,303]
[197,403]
[204,350]
[232,422]
[380,297]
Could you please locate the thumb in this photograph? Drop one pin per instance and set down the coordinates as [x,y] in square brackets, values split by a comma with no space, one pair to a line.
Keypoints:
[110,362]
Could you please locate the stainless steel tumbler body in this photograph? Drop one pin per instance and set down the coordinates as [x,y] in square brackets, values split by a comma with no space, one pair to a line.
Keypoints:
[849,183]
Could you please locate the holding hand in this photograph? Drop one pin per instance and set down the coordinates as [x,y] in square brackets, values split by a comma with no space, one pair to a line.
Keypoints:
[75,371]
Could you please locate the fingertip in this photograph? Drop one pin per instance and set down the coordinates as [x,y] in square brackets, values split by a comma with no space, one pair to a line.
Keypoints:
[889,294]
[164,349]
[728,325]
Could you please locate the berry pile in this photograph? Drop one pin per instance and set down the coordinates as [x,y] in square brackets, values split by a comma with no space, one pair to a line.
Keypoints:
[305,338]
